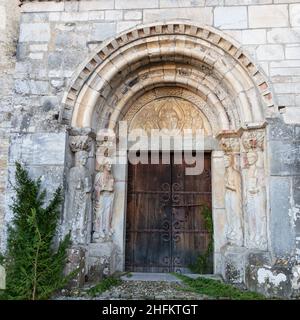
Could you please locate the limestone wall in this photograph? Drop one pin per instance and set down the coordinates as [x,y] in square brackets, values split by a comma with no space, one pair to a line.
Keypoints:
[9,29]
[268,30]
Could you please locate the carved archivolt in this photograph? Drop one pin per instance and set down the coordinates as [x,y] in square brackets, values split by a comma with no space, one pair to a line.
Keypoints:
[217,41]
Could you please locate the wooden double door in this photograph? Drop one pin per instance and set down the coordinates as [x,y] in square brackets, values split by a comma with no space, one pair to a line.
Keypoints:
[165,229]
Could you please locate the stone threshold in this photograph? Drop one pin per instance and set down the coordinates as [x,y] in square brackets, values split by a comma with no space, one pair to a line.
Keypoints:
[166,277]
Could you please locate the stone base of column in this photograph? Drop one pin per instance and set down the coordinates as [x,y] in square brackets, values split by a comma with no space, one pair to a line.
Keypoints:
[234,259]
[101,260]
[76,261]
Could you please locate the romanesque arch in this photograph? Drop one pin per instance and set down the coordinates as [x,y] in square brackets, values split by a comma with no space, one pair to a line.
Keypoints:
[209,72]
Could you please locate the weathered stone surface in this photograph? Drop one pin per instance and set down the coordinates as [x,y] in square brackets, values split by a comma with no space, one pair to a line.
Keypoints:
[133,15]
[270,52]
[281,223]
[284,35]
[234,263]
[278,130]
[248,2]
[201,15]
[270,280]
[285,159]
[254,36]
[38,47]
[43,7]
[96,5]
[124,25]
[181,3]
[296,195]
[133,4]
[38,149]
[292,115]
[32,32]
[2,278]
[295,14]
[268,16]
[114,15]
[2,17]
[101,31]
[292,51]
[230,17]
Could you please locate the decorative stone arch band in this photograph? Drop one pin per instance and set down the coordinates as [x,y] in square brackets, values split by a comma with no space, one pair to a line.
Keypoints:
[118,59]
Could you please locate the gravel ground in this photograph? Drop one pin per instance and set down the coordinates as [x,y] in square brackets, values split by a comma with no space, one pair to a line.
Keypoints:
[140,290]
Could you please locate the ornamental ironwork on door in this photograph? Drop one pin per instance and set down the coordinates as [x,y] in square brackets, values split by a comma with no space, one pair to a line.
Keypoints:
[165,229]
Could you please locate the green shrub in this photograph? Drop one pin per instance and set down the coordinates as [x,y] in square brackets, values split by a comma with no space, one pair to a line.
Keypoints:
[34,269]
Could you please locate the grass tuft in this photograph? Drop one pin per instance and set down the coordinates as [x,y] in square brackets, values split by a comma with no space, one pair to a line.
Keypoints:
[218,289]
[103,286]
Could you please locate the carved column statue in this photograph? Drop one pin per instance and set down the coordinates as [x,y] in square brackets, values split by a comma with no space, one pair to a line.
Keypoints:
[79,188]
[103,204]
[233,191]
[103,190]
[255,187]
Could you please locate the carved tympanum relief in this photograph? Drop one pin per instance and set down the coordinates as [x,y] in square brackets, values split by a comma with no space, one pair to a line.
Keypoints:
[167,113]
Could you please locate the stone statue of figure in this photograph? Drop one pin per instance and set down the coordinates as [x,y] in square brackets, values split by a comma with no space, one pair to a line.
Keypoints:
[233,202]
[256,200]
[103,206]
[79,199]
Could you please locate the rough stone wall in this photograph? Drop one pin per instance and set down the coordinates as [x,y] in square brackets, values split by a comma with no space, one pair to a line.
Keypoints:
[9,29]
[56,37]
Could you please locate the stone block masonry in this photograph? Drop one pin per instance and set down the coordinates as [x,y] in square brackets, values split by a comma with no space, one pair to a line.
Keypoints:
[268,31]
[9,29]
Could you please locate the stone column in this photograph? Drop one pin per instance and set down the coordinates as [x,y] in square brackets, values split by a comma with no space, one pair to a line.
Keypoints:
[255,189]
[79,201]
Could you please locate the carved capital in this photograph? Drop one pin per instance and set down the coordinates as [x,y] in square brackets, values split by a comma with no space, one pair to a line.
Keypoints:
[230,144]
[80,143]
[253,140]
[81,139]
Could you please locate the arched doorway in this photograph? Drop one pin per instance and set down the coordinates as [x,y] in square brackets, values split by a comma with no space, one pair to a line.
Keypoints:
[207,72]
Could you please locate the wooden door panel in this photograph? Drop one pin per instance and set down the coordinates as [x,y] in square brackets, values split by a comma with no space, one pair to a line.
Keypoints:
[148,227]
[165,227]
